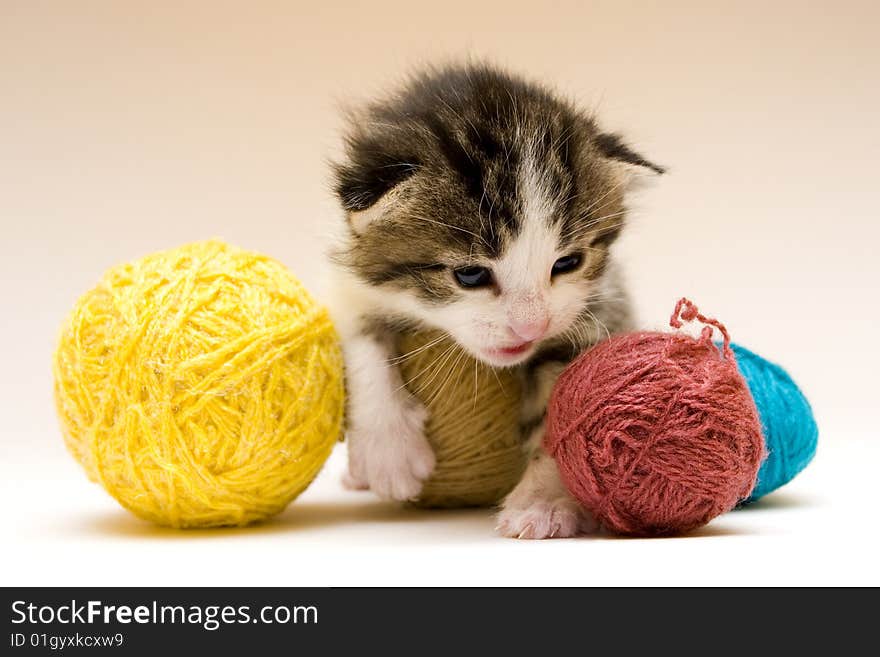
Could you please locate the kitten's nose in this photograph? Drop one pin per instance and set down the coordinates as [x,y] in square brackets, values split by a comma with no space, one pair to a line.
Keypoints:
[529,330]
[528,316]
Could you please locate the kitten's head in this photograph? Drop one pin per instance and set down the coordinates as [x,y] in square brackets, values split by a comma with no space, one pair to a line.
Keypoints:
[483,206]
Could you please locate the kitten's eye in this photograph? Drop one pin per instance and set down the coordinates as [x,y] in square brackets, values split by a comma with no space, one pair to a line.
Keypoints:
[566,264]
[473,276]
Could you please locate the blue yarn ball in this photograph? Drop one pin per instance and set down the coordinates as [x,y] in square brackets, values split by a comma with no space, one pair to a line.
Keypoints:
[790,430]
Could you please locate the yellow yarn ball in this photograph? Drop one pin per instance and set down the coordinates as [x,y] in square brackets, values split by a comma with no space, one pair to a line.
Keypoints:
[202,386]
[473,422]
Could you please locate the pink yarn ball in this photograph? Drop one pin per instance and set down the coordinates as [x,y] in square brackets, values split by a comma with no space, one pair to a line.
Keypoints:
[656,433]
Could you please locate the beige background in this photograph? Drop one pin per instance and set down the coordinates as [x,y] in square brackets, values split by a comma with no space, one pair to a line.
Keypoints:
[131,127]
[127,127]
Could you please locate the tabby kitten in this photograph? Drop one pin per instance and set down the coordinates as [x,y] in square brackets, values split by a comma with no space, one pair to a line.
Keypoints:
[484,206]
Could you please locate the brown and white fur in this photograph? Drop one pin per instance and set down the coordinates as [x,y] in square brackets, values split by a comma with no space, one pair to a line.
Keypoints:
[484,206]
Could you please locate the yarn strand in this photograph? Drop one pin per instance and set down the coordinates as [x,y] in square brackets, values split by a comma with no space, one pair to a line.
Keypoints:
[688,311]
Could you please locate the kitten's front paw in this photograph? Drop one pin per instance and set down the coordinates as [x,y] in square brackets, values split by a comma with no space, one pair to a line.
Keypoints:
[353,480]
[557,518]
[391,456]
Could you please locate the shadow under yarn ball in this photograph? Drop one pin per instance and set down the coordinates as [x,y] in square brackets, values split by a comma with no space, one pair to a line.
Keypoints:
[473,421]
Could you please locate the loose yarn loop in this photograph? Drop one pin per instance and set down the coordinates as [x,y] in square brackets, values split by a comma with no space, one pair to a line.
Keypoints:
[656,433]
[201,386]
[473,422]
[686,310]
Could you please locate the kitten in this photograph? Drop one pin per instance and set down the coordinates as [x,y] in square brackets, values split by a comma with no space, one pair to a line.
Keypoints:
[484,206]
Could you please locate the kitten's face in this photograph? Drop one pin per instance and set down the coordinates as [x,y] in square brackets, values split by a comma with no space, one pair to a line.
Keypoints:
[483,207]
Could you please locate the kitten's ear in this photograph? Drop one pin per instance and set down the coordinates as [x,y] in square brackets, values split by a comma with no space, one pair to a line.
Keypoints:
[630,165]
[365,181]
